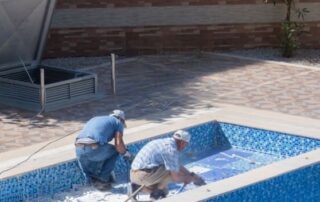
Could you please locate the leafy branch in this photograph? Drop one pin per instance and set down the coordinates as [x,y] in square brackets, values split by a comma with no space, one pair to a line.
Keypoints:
[291,30]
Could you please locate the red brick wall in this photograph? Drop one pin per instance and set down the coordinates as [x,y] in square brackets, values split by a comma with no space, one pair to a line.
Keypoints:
[142,3]
[101,41]
[311,37]
[151,39]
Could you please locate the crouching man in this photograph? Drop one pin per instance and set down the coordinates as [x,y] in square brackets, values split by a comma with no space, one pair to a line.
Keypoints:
[96,156]
[157,164]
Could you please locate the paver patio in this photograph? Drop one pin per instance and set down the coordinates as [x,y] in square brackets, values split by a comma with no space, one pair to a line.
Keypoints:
[175,83]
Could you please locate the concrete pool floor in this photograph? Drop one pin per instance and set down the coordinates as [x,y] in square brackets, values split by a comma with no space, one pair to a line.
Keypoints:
[154,88]
[212,165]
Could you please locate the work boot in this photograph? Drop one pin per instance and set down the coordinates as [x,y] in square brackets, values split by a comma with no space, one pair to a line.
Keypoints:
[158,194]
[102,186]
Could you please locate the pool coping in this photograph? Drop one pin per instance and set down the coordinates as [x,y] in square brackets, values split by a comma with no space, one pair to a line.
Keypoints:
[261,119]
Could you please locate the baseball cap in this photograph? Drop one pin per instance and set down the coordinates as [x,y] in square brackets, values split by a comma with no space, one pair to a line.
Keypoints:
[182,135]
[120,115]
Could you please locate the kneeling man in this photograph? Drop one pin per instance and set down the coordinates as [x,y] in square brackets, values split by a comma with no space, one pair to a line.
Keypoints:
[157,164]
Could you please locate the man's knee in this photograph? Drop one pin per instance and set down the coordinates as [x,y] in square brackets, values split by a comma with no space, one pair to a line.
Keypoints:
[135,177]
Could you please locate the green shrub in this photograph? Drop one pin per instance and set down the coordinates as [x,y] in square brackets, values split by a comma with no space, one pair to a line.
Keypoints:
[290,30]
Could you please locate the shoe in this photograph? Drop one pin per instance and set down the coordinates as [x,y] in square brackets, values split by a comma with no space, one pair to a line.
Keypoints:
[158,194]
[102,186]
[133,188]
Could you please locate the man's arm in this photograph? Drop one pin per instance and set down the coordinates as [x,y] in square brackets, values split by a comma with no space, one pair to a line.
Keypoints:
[186,177]
[119,144]
[183,175]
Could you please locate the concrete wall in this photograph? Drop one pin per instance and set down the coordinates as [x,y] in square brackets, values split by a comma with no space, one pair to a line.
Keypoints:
[97,27]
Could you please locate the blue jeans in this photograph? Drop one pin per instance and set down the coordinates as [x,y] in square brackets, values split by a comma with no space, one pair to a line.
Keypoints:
[97,163]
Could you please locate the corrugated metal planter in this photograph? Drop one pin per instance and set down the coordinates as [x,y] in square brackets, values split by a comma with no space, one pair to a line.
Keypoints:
[62,88]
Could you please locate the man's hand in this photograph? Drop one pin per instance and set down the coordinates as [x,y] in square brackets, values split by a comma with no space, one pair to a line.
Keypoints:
[119,144]
[128,156]
[198,181]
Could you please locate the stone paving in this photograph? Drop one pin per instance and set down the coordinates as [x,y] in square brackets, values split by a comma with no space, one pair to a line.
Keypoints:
[176,83]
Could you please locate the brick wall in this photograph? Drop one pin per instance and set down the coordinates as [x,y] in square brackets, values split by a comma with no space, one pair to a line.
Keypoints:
[146,3]
[69,37]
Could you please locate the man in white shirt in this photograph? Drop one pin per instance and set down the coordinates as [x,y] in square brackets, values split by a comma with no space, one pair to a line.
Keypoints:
[157,164]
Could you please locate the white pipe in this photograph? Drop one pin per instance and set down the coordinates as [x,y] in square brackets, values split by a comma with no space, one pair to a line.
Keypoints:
[135,193]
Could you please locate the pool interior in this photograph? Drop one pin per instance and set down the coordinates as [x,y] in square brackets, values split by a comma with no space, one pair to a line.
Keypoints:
[212,165]
[216,151]
[217,164]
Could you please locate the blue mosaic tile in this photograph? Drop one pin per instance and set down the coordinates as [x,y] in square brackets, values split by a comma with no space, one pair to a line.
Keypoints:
[265,141]
[212,135]
[302,185]
[42,182]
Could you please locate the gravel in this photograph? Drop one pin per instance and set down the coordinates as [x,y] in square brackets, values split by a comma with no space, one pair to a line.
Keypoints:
[309,57]
[76,62]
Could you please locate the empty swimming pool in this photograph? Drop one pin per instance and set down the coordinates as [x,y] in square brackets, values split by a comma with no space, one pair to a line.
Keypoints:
[218,151]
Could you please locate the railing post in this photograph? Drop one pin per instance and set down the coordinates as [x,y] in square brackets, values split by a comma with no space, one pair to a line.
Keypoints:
[42,90]
[113,73]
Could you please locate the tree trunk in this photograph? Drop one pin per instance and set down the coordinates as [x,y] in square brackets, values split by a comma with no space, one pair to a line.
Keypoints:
[289,5]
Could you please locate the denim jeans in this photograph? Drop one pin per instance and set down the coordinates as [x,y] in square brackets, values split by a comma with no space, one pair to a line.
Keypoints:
[97,163]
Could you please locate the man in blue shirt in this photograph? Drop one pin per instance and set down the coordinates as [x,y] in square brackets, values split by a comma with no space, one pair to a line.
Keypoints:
[157,164]
[95,155]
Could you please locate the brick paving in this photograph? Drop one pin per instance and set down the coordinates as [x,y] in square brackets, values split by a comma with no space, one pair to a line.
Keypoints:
[151,84]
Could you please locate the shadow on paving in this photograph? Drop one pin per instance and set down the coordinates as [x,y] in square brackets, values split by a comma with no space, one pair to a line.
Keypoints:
[148,85]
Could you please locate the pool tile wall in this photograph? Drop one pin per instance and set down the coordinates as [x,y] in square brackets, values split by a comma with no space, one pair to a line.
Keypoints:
[41,182]
[62,177]
[302,185]
[203,137]
[265,141]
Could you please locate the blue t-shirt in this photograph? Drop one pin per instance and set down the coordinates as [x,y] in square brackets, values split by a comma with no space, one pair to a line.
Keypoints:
[102,129]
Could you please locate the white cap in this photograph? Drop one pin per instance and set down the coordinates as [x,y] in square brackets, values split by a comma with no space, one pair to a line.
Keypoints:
[182,135]
[120,115]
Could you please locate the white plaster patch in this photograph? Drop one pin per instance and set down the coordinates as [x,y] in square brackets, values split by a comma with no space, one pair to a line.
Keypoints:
[198,169]
[220,159]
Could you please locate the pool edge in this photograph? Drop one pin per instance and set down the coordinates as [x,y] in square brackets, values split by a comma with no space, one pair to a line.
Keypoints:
[225,113]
